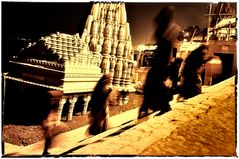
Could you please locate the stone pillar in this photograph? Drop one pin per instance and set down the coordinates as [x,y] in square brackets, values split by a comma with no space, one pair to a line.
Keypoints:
[56,102]
[86,102]
[72,101]
[107,44]
[60,108]
[105,65]
[118,72]
[120,98]
[97,57]
[112,68]
[125,96]
[89,23]
[124,73]
[94,32]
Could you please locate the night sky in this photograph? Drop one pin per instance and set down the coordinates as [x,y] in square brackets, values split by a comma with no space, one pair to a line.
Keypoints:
[32,20]
[37,19]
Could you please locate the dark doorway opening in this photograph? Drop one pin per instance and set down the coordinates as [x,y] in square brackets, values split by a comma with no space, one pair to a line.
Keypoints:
[227,64]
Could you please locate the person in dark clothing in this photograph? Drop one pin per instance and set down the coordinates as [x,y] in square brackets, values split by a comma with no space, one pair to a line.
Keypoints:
[173,70]
[157,85]
[190,80]
[99,111]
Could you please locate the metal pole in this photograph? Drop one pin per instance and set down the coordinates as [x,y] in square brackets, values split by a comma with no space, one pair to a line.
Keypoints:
[4,90]
[209,18]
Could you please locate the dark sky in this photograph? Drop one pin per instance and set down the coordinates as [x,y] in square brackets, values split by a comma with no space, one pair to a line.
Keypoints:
[140,16]
[32,19]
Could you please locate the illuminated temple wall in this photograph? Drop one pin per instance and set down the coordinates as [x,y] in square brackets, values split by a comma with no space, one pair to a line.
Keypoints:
[104,47]
[73,64]
[108,32]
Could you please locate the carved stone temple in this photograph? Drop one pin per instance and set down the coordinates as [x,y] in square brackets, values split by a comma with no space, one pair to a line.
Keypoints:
[73,64]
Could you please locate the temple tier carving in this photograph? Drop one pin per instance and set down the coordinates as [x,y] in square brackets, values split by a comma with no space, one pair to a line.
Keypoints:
[73,64]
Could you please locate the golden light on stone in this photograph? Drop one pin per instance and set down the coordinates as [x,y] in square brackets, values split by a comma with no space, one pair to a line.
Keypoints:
[105,46]
[114,38]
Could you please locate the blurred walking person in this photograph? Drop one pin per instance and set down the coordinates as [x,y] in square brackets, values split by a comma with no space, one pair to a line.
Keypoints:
[192,68]
[158,85]
[99,111]
[50,125]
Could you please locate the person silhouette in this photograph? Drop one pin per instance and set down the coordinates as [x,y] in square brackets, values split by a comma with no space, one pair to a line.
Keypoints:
[190,83]
[98,104]
[157,88]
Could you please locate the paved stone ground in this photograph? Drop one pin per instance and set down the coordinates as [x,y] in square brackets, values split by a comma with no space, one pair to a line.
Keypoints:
[211,132]
[201,126]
